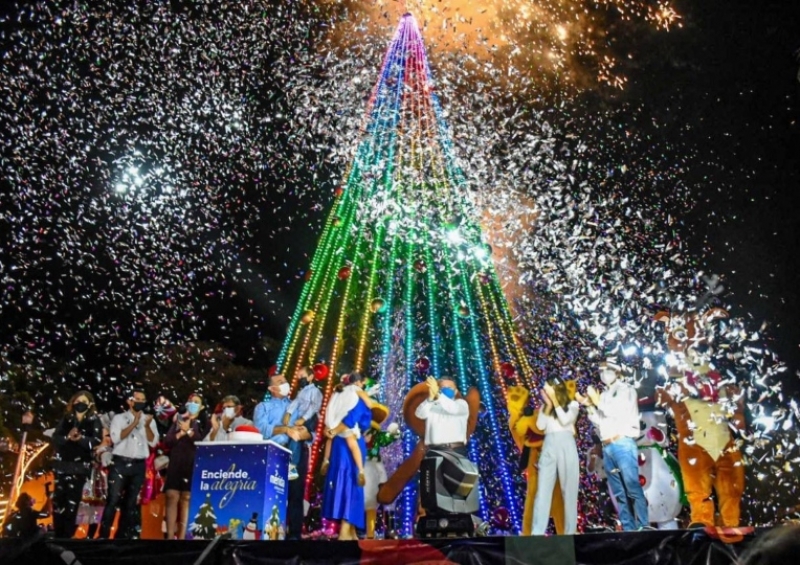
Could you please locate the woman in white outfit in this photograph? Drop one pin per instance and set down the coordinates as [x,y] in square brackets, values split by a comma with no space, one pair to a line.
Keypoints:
[559,457]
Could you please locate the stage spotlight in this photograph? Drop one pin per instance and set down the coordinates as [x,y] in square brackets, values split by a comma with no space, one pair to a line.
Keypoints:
[448,493]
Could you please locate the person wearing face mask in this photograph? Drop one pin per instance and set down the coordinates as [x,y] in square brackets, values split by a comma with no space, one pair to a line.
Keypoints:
[268,418]
[75,438]
[615,415]
[446,415]
[307,404]
[188,427]
[231,418]
[347,415]
[133,433]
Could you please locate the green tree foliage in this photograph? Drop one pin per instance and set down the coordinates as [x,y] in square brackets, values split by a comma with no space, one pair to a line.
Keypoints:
[177,371]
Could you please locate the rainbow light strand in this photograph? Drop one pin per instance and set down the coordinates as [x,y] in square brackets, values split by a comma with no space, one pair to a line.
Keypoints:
[402,274]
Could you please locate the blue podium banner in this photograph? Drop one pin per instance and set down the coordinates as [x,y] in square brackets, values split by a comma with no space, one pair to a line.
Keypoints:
[239,488]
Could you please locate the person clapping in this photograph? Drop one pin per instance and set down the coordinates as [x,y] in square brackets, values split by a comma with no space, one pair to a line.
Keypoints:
[559,458]
[77,435]
[222,425]
[188,427]
[133,433]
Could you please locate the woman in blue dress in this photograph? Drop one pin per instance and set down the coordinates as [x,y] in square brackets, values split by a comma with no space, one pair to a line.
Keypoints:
[343,496]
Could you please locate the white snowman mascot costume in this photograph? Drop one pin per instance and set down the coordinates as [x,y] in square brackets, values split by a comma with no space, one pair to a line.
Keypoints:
[659,470]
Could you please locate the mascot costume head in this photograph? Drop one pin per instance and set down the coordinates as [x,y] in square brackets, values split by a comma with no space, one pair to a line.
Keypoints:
[705,413]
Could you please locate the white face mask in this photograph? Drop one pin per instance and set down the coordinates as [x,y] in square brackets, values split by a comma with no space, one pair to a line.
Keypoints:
[229,412]
[608,377]
[284,389]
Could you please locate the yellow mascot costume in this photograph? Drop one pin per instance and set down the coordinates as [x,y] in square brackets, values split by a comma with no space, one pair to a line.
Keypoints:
[529,439]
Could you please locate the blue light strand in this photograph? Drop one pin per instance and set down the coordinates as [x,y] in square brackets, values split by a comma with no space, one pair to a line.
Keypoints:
[486,394]
[432,311]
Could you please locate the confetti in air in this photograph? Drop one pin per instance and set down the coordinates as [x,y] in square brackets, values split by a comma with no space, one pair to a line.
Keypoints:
[402,250]
[168,169]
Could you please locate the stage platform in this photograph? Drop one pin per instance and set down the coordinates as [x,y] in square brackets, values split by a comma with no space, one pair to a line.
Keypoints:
[676,547]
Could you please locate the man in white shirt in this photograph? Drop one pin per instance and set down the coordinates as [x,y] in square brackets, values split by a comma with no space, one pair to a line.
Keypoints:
[445,417]
[133,433]
[615,415]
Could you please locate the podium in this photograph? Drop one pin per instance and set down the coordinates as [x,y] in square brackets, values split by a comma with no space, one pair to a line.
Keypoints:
[240,489]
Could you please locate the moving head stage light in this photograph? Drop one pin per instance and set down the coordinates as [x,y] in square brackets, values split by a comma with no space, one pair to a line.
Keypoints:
[448,493]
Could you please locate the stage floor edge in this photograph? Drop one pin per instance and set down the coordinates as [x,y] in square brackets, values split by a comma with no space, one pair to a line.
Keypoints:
[674,547]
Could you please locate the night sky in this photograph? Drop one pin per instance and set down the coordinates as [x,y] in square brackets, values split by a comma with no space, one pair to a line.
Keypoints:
[243,120]
[728,82]
[732,81]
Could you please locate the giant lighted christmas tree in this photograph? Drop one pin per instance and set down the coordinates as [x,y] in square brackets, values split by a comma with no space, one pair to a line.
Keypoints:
[402,284]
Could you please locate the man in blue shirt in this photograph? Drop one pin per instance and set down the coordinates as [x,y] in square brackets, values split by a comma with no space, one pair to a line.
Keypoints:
[268,418]
[307,403]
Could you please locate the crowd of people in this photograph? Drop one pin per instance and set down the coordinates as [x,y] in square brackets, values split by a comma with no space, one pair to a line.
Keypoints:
[100,462]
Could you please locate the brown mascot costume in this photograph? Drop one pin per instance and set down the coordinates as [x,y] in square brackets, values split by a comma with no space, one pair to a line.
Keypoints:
[390,490]
[704,412]
[529,439]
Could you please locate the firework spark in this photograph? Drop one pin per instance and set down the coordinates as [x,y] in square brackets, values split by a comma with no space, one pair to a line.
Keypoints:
[165,166]
[551,44]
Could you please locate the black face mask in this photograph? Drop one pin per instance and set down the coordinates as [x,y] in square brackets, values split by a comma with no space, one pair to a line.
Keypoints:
[139,406]
[302,382]
[80,407]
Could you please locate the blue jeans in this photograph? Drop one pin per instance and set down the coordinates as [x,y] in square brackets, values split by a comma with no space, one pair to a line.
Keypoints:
[621,462]
[296,447]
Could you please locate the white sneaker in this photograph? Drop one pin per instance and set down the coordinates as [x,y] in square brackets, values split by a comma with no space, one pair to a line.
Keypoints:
[293,474]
